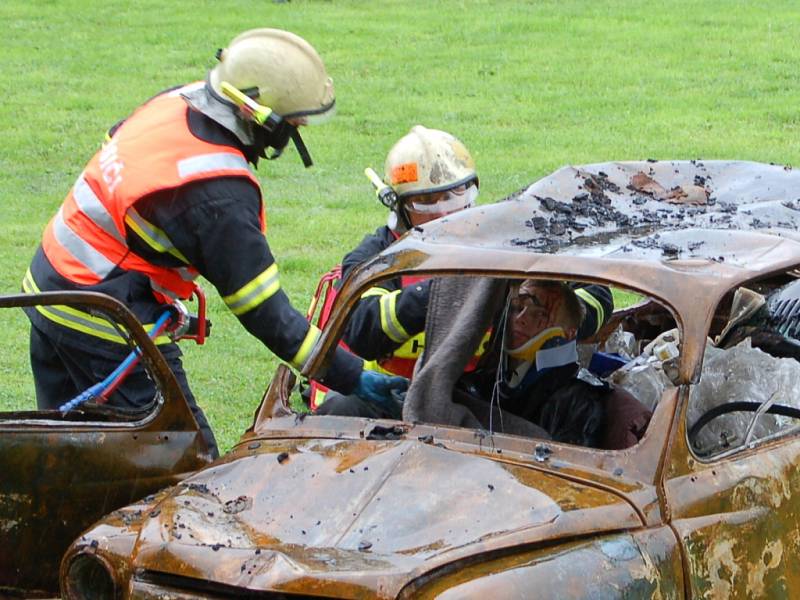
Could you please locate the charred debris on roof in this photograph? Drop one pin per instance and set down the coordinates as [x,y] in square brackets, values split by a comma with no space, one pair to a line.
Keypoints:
[602,209]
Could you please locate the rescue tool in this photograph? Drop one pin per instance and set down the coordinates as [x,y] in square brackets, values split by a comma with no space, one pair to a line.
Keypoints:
[176,322]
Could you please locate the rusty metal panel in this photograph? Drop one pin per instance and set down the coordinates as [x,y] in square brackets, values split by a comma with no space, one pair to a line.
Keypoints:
[328,516]
[737,518]
[60,473]
[645,564]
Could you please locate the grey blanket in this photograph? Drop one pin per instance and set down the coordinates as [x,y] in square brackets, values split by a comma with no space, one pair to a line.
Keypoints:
[460,310]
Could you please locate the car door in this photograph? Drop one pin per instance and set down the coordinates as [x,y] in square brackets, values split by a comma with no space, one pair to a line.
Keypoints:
[61,472]
[736,515]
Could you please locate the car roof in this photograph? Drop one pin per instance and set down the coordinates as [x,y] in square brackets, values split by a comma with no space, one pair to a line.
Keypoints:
[644,210]
[684,232]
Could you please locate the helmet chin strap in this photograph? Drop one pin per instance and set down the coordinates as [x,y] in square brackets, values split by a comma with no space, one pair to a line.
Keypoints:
[301,147]
[398,220]
[274,129]
[279,138]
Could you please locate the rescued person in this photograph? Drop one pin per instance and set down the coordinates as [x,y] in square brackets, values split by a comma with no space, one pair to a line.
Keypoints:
[534,374]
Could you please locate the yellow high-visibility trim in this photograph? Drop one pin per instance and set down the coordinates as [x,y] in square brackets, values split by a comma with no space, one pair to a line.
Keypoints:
[595,304]
[412,347]
[255,292]
[150,237]
[319,397]
[373,365]
[310,340]
[70,317]
[389,322]
[375,291]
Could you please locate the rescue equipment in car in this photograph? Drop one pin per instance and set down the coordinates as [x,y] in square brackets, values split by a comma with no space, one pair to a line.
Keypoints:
[176,322]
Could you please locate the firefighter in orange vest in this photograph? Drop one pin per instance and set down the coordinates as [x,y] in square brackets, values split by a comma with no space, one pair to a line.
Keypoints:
[171,196]
[433,175]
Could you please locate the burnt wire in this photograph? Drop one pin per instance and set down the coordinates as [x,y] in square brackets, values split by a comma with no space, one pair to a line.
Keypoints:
[500,373]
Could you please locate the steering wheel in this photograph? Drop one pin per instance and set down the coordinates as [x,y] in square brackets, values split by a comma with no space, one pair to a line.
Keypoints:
[723,409]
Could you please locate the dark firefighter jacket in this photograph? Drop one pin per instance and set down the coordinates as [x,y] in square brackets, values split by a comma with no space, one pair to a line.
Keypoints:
[572,408]
[392,317]
[201,215]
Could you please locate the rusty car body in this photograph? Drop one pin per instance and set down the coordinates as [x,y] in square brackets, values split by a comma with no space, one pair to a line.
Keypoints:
[308,506]
[59,473]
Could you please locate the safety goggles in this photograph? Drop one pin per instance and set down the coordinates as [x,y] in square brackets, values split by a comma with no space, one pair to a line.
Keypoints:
[445,202]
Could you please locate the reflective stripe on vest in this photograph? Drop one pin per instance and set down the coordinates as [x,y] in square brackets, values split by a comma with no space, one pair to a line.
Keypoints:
[152,151]
[206,163]
[91,206]
[152,235]
[404,359]
[96,265]
[78,320]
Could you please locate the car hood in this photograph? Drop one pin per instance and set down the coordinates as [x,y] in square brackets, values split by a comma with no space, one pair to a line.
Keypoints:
[369,515]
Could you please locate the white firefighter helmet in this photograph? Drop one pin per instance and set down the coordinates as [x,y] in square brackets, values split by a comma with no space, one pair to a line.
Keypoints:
[432,174]
[279,70]
[425,161]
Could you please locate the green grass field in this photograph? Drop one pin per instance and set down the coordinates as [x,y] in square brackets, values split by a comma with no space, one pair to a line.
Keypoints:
[528,86]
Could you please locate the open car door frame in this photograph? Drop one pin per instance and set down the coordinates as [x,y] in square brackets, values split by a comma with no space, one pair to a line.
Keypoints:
[62,472]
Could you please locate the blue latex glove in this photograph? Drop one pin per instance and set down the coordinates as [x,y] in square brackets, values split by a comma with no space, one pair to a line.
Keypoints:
[377,387]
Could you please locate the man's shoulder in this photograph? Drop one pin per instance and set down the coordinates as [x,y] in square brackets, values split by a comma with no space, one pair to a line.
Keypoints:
[371,245]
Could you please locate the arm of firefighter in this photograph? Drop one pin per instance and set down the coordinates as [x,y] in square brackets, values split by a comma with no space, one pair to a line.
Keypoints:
[599,304]
[229,249]
[386,318]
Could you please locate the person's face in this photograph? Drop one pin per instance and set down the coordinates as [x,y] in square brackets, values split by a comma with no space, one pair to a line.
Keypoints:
[427,207]
[533,308]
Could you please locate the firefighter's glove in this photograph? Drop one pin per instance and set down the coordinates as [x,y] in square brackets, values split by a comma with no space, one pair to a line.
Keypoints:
[377,388]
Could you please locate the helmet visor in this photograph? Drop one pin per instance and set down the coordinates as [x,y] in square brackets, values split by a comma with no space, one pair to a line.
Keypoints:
[444,203]
[312,117]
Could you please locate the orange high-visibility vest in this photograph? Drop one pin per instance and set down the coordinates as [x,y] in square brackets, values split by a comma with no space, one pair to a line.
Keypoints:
[152,151]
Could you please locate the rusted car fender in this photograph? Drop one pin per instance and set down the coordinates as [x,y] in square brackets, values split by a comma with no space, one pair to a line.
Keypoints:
[642,564]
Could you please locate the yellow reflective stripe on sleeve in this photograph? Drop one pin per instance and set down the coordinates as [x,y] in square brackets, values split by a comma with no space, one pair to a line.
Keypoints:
[152,235]
[411,348]
[81,321]
[389,322]
[305,348]
[373,365]
[254,293]
[595,304]
[375,291]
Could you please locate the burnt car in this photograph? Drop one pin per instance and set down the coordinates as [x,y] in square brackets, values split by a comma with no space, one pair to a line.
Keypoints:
[705,505]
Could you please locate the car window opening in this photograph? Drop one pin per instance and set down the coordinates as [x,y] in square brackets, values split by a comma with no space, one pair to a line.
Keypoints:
[553,362]
[747,390]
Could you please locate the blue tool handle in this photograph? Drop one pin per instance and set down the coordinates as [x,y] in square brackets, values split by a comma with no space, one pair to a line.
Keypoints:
[97,388]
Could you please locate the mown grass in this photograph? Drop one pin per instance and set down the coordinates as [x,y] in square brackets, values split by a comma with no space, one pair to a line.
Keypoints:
[528,86]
